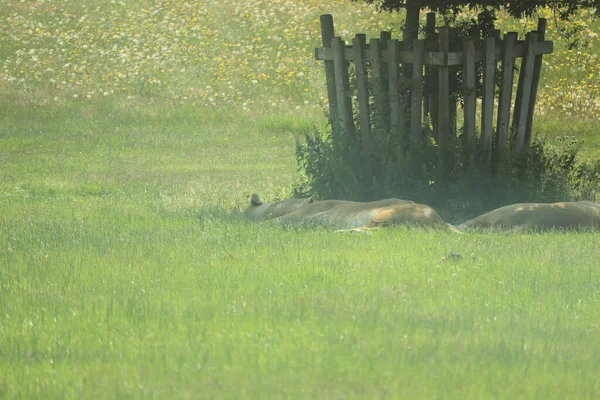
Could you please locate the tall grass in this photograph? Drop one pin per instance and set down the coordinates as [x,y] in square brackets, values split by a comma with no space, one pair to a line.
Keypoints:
[252,55]
[102,303]
[131,132]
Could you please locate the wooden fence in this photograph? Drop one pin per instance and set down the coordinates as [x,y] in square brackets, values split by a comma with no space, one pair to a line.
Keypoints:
[380,64]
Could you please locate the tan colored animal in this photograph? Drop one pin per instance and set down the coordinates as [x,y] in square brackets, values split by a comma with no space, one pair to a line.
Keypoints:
[540,216]
[341,214]
[259,210]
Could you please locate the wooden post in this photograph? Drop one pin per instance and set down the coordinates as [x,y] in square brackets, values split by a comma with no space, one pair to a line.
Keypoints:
[342,87]
[394,88]
[430,26]
[380,124]
[358,48]
[470,95]
[410,33]
[505,97]
[443,134]
[327,33]
[385,36]
[522,101]
[411,26]
[417,95]
[487,114]
[537,69]
[453,85]
[429,76]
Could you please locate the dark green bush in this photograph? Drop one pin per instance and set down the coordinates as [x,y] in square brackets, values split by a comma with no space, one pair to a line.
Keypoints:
[467,187]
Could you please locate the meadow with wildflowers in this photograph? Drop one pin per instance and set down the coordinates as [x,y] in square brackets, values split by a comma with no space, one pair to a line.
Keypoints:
[129,132]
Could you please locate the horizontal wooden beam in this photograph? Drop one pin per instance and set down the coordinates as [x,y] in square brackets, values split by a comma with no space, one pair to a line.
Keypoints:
[436,58]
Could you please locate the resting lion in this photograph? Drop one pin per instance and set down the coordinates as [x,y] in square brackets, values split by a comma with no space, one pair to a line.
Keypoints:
[341,214]
[540,216]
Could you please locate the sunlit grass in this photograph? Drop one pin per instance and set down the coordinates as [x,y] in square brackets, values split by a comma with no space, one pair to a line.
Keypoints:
[205,304]
[202,303]
[253,57]
[179,52]
[130,134]
[174,52]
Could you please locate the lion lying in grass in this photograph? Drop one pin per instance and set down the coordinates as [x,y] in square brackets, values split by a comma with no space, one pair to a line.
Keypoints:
[341,214]
[539,216]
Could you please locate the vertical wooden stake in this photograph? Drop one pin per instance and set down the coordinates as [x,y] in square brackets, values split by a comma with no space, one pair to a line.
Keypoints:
[453,101]
[417,95]
[470,95]
[358,48]
[394,87]
[327,34]
[380,125]
[443,134]
[342,87]
[506,89]
[537,70]
[385,36]
[489,72]
[430,78]
[520,119]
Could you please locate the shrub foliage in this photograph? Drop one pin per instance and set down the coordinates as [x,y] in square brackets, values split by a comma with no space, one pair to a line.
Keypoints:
[469,186]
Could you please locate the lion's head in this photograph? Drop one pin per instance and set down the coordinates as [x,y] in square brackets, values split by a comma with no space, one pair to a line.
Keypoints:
[259,210]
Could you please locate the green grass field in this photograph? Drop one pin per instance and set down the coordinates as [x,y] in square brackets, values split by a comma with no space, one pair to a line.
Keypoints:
[131,133]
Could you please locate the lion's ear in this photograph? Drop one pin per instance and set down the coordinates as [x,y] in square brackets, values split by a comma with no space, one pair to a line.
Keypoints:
[255,201]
